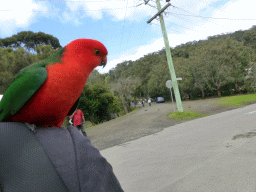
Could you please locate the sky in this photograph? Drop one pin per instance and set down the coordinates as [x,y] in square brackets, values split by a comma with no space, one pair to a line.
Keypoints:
[121,25]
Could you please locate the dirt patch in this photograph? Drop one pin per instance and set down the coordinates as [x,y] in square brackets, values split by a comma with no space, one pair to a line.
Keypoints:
[246,135]
[146,121]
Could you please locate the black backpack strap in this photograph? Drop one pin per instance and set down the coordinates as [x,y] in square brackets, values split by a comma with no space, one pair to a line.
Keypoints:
[95,174]
[58,145]
[79,164]
[52,159]
[24,165]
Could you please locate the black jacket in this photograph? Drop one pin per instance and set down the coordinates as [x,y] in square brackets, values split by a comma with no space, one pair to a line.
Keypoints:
[51,159]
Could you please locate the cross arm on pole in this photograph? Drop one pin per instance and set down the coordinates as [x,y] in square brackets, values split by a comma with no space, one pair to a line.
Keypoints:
[146,2]
[159,12]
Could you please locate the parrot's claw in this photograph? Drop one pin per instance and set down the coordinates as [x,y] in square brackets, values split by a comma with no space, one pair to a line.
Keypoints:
[31,127]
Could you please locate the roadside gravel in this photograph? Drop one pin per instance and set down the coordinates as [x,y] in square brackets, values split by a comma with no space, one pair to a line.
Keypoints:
[146,121]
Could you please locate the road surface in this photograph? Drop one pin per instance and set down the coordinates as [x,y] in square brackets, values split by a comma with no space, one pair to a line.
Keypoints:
[213,153]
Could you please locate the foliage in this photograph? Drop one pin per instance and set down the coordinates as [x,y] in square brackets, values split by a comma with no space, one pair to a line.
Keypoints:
[97,103]
[30,40]
[124,89]
[44,51]
[95,78]
[11,62]
[157,82]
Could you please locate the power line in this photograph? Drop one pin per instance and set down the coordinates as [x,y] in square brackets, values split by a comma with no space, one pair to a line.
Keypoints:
[200,17]
[218,5]
[152,6]
[188,21]
[143,33]
[167,21]
[177,24]
[168,28]
[181,18]
[168,13]
[181,26]
[210,17]
[124,23]
[129,35]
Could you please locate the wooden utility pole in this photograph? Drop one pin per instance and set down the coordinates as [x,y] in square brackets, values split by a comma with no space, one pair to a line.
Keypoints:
[168,54]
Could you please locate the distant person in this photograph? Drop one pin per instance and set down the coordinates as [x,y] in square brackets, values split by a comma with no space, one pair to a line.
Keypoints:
[78,120]
[149,102]
[142,103]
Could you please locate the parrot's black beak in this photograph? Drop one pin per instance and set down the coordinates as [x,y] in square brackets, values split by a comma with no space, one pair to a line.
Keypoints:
[103,62]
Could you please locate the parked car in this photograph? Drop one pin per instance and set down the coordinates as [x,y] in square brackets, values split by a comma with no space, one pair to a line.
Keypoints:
[159,100]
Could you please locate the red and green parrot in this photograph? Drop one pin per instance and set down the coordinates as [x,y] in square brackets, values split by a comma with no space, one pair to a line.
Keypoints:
[44,93]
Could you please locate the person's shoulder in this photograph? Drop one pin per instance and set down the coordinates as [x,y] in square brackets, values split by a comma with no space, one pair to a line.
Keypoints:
[80,111]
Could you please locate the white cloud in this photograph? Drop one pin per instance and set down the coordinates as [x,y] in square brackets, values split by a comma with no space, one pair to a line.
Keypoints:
[201,28]
[237,9]
[15,14]
[153,46]
[140,51]
[118,9]
[69,17]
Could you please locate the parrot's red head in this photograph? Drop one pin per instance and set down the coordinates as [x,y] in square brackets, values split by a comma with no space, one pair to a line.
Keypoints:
[89,50]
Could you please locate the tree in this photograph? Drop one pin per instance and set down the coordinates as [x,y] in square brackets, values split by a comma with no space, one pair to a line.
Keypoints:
[30,40]
[250,38]
[138,91]
[220,62]
[5,79]
[124,89]
[185,69]
[95,78]
[97,103]
[250,83]
[44,51]
[157,82]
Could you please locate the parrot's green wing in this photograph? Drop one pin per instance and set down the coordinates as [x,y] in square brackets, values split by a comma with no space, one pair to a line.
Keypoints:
[25,84]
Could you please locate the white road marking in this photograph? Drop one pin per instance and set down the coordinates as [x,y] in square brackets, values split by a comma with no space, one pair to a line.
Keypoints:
[251,112]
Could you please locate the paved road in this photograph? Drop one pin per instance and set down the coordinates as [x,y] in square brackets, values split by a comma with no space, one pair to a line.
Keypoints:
[145,121]
[214,153]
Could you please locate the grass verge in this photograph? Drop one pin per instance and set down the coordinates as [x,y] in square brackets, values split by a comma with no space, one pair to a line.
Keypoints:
[239,100]
[185,115]
[87,123]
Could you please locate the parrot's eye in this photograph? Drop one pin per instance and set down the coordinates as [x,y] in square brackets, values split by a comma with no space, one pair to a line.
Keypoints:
[97,51]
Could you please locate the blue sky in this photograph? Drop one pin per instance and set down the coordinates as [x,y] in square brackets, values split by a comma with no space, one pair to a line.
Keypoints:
[121,25]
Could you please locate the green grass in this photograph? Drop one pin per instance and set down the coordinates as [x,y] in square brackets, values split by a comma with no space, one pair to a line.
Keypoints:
[238,100]
[87,122]
[185,115]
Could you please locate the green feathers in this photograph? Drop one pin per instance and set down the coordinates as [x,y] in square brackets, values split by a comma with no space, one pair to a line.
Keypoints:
[25,84]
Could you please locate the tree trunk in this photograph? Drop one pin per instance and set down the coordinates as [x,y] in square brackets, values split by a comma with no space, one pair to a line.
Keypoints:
[91,119]
[125,109]
[219,93]
[128,107]
[203,95]
[237,88]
